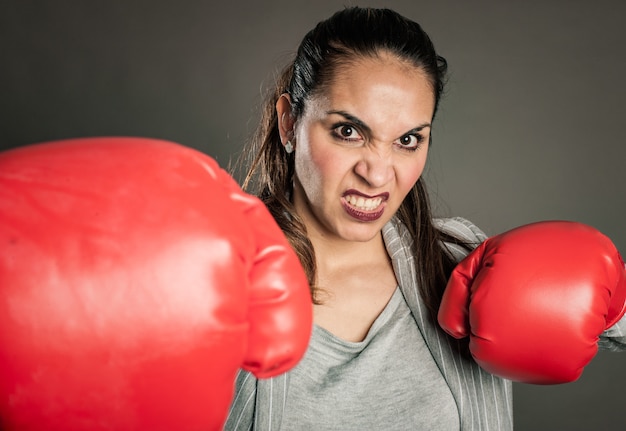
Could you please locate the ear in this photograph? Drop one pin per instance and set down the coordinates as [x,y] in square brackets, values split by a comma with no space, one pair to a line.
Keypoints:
[285,118]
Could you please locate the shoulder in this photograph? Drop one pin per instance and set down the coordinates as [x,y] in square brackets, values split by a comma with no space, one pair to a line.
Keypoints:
[459,235]
[467,233]
[460,228]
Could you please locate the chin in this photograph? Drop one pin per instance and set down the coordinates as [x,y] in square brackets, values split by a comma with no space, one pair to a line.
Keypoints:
[363,232]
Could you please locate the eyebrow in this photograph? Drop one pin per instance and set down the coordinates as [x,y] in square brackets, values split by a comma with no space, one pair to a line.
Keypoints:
[366,128]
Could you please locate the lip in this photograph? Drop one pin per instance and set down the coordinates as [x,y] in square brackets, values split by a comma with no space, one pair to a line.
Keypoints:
[362,215]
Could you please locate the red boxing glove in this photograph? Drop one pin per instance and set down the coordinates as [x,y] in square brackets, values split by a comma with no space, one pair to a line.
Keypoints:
[136,278]
[535,299]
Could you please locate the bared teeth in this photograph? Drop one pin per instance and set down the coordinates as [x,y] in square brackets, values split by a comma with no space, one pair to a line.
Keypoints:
[362,203]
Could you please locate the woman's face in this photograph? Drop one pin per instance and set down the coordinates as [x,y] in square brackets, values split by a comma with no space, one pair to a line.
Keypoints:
[360,146]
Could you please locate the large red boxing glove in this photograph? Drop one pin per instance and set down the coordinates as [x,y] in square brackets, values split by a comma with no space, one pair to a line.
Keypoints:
[535,299]
[135,279]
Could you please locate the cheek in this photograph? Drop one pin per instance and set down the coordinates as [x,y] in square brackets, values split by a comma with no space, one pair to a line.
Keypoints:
[319,173]
[410,173]
[317,163]
[312,170]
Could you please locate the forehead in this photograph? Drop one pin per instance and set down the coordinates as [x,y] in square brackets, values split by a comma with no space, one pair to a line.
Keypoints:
[383,59]
[378,89]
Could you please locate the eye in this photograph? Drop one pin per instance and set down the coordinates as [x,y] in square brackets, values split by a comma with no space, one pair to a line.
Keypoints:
[410,142]
[346,132]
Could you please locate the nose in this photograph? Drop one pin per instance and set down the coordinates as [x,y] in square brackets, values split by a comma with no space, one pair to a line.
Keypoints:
[375,167]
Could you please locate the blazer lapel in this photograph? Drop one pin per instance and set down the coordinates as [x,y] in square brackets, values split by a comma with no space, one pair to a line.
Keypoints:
[464,378]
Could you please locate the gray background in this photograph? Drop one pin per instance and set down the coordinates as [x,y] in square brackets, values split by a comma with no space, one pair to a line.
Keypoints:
[531,127]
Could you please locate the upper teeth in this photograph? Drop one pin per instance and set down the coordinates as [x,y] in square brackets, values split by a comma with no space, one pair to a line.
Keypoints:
[363,203]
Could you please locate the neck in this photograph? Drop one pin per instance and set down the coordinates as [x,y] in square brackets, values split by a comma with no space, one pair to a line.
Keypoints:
[338,255]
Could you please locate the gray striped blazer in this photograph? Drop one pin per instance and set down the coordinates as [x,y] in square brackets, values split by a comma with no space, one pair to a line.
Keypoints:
[484,401]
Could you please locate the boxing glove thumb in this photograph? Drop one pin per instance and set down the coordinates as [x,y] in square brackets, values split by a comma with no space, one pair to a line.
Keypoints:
[279,314]
[535,299]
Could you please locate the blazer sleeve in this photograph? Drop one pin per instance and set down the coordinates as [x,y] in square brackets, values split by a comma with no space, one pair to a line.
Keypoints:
[241,414]
[614,338]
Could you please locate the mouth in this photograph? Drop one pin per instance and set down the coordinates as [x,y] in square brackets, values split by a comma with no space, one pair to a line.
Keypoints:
[363,204]
[363,207]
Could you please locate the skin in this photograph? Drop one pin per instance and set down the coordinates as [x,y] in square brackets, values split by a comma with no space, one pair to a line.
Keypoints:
[366,135]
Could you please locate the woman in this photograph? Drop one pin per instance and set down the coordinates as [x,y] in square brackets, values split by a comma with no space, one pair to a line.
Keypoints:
[338,159]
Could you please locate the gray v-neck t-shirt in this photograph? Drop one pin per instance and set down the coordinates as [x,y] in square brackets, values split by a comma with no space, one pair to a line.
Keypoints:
[388,381]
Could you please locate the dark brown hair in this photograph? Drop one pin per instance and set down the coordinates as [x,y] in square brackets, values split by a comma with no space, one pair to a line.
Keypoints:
[350,33]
